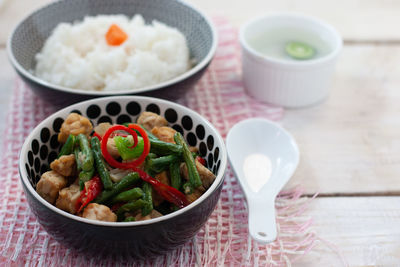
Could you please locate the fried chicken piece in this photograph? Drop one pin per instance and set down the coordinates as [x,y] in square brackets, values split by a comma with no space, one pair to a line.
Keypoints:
[65,165]
[195,194]
[74,124]
[99,212]
[164,133]
[112,148]
[67,198]
[102,128]
[50,184]
[149,120]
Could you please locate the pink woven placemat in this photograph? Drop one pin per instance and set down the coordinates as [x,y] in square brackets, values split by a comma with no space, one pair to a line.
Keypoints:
[224,240]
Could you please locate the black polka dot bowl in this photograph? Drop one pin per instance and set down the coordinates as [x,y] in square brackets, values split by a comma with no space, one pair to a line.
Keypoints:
[137,240]
[28,38]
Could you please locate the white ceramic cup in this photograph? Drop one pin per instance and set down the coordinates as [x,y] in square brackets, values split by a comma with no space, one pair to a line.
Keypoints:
[288,83]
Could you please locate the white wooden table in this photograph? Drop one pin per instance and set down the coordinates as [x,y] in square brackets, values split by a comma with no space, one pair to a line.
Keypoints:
[350,144]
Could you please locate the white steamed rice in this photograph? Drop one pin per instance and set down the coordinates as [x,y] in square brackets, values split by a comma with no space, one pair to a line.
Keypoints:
[78,56]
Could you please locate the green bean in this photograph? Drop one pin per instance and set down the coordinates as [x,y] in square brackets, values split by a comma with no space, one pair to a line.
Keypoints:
[129,180]
[160,164]
[87,154]
[146,164]
[151,156]
[100,165]
[175,172]
[129,219]
[68,147]
[128,195]
[163,148]
[131,206]
[77,158]
[81,185]
[85,176]
[187,188]
[194,177]
[148,198]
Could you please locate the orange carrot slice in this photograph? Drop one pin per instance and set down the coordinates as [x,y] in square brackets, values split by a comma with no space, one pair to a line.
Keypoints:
[115,35]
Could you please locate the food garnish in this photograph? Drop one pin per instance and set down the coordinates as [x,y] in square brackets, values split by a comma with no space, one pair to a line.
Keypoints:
[115,35]
[299,50]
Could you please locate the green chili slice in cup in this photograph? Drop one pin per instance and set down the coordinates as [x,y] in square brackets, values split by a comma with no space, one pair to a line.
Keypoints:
[298,50]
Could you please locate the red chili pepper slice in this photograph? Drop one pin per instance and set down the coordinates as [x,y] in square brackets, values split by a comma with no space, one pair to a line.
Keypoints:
[118,134]
[92,189]
[146,142]
[201,160]
[167,192]
[116,164]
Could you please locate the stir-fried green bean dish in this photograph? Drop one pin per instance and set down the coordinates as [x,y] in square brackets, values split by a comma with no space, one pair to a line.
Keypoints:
[131,172]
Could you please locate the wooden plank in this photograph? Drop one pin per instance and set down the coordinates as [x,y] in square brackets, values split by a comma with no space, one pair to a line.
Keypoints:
[356,20]
[350,143]
[365,231]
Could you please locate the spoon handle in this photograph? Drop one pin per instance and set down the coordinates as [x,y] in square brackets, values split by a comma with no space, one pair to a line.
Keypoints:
[262,224]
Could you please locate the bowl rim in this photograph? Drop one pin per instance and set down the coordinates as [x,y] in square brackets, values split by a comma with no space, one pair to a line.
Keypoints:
[218,180]
[338,44]
[198,67]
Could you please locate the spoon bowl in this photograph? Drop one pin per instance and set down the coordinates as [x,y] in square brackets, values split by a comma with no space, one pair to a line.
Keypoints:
[264,157]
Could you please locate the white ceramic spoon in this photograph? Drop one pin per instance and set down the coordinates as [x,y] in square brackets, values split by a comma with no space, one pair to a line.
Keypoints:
[264,156]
